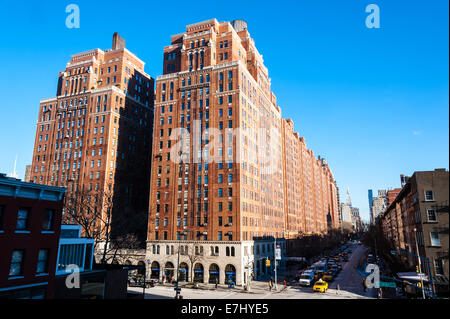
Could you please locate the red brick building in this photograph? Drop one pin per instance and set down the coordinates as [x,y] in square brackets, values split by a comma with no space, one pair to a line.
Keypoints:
[30,224]
[95,135]
[219,175]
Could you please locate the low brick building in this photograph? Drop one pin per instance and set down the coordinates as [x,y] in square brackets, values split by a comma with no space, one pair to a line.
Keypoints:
[420,211]
[30,223]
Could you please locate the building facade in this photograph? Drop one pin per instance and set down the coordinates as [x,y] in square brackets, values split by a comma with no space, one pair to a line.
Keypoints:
[30,219]
[379,204]
[311,197]
[94,137]
[419,214]
[229,172]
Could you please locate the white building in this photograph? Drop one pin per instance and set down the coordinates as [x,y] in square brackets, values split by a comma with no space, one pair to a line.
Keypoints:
[208,261]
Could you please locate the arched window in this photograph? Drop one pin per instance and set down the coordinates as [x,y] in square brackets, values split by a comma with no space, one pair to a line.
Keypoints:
[230,274]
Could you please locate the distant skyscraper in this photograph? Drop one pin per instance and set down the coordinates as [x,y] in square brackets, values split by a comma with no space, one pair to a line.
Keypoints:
[370,193]
[379,204]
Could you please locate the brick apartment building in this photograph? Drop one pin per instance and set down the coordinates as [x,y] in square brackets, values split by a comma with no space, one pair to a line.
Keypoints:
[311,204]
[30,224]
[219,175]
[422,204]
[95,135]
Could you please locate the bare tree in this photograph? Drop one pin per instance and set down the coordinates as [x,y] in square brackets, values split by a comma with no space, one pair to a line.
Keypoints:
[194,254]
[92,209]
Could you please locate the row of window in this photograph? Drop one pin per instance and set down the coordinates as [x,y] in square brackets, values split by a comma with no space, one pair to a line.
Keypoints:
[16,268]
[23,216]
[199,235]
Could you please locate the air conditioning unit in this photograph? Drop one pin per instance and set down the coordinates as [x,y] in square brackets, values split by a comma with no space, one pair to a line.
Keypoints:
[230,233]
[205,233]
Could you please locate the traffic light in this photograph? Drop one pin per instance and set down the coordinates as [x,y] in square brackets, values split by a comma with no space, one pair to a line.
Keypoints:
[417,269]
[267,262]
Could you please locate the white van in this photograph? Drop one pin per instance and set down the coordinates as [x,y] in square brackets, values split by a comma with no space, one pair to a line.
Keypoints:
[307,278]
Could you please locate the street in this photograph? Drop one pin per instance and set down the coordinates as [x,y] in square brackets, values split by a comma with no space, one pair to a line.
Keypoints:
[348,280]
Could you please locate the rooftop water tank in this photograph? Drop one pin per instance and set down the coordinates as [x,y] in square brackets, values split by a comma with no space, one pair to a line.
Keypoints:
[239,25]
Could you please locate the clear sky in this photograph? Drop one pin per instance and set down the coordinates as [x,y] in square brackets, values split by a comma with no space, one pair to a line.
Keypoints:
[373,102]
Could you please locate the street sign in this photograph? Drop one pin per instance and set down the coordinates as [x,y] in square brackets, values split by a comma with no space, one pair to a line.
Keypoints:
[278,253]
[388,284]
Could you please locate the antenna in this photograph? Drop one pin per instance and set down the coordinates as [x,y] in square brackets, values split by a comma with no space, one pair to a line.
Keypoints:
[14,173]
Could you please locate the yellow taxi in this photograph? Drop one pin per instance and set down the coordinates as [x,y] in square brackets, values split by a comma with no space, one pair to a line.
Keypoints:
[320,286]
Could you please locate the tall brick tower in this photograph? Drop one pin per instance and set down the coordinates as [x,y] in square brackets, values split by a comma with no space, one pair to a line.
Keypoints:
[229,174]
[95,135]
[215,89]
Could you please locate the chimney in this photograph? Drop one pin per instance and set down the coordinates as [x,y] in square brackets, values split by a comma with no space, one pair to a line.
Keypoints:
[118,42]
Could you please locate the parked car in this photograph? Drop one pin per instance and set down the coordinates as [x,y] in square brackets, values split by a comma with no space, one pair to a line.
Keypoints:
[138,281]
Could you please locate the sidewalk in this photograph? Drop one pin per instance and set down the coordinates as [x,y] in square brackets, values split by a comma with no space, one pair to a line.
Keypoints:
[256,287]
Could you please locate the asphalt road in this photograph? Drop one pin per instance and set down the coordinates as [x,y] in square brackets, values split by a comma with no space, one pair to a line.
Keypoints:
[349,281]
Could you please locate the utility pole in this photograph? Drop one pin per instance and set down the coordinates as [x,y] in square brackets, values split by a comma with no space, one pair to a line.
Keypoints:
[275,261]
[178,289]
[420,266]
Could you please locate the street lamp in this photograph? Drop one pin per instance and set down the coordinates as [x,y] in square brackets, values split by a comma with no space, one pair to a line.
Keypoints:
[420,266]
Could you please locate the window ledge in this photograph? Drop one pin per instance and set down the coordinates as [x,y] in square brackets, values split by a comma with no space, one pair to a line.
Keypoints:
[22,232]
[47,232]
[15,277]
[42,274]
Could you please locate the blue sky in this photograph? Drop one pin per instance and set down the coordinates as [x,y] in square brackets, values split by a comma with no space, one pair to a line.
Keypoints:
[373,102]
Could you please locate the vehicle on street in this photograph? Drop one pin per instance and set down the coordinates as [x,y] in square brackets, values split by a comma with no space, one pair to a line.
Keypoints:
[318,274]
[307,278]
[139,282]
[335,269]
[328,276]
[320,286]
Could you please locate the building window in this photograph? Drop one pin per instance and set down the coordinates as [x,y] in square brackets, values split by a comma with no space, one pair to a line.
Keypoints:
[16,268]
[429,196]
[22,219]
[435,241]
[439,267]
[47,221]
[431,215]
[42,264]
